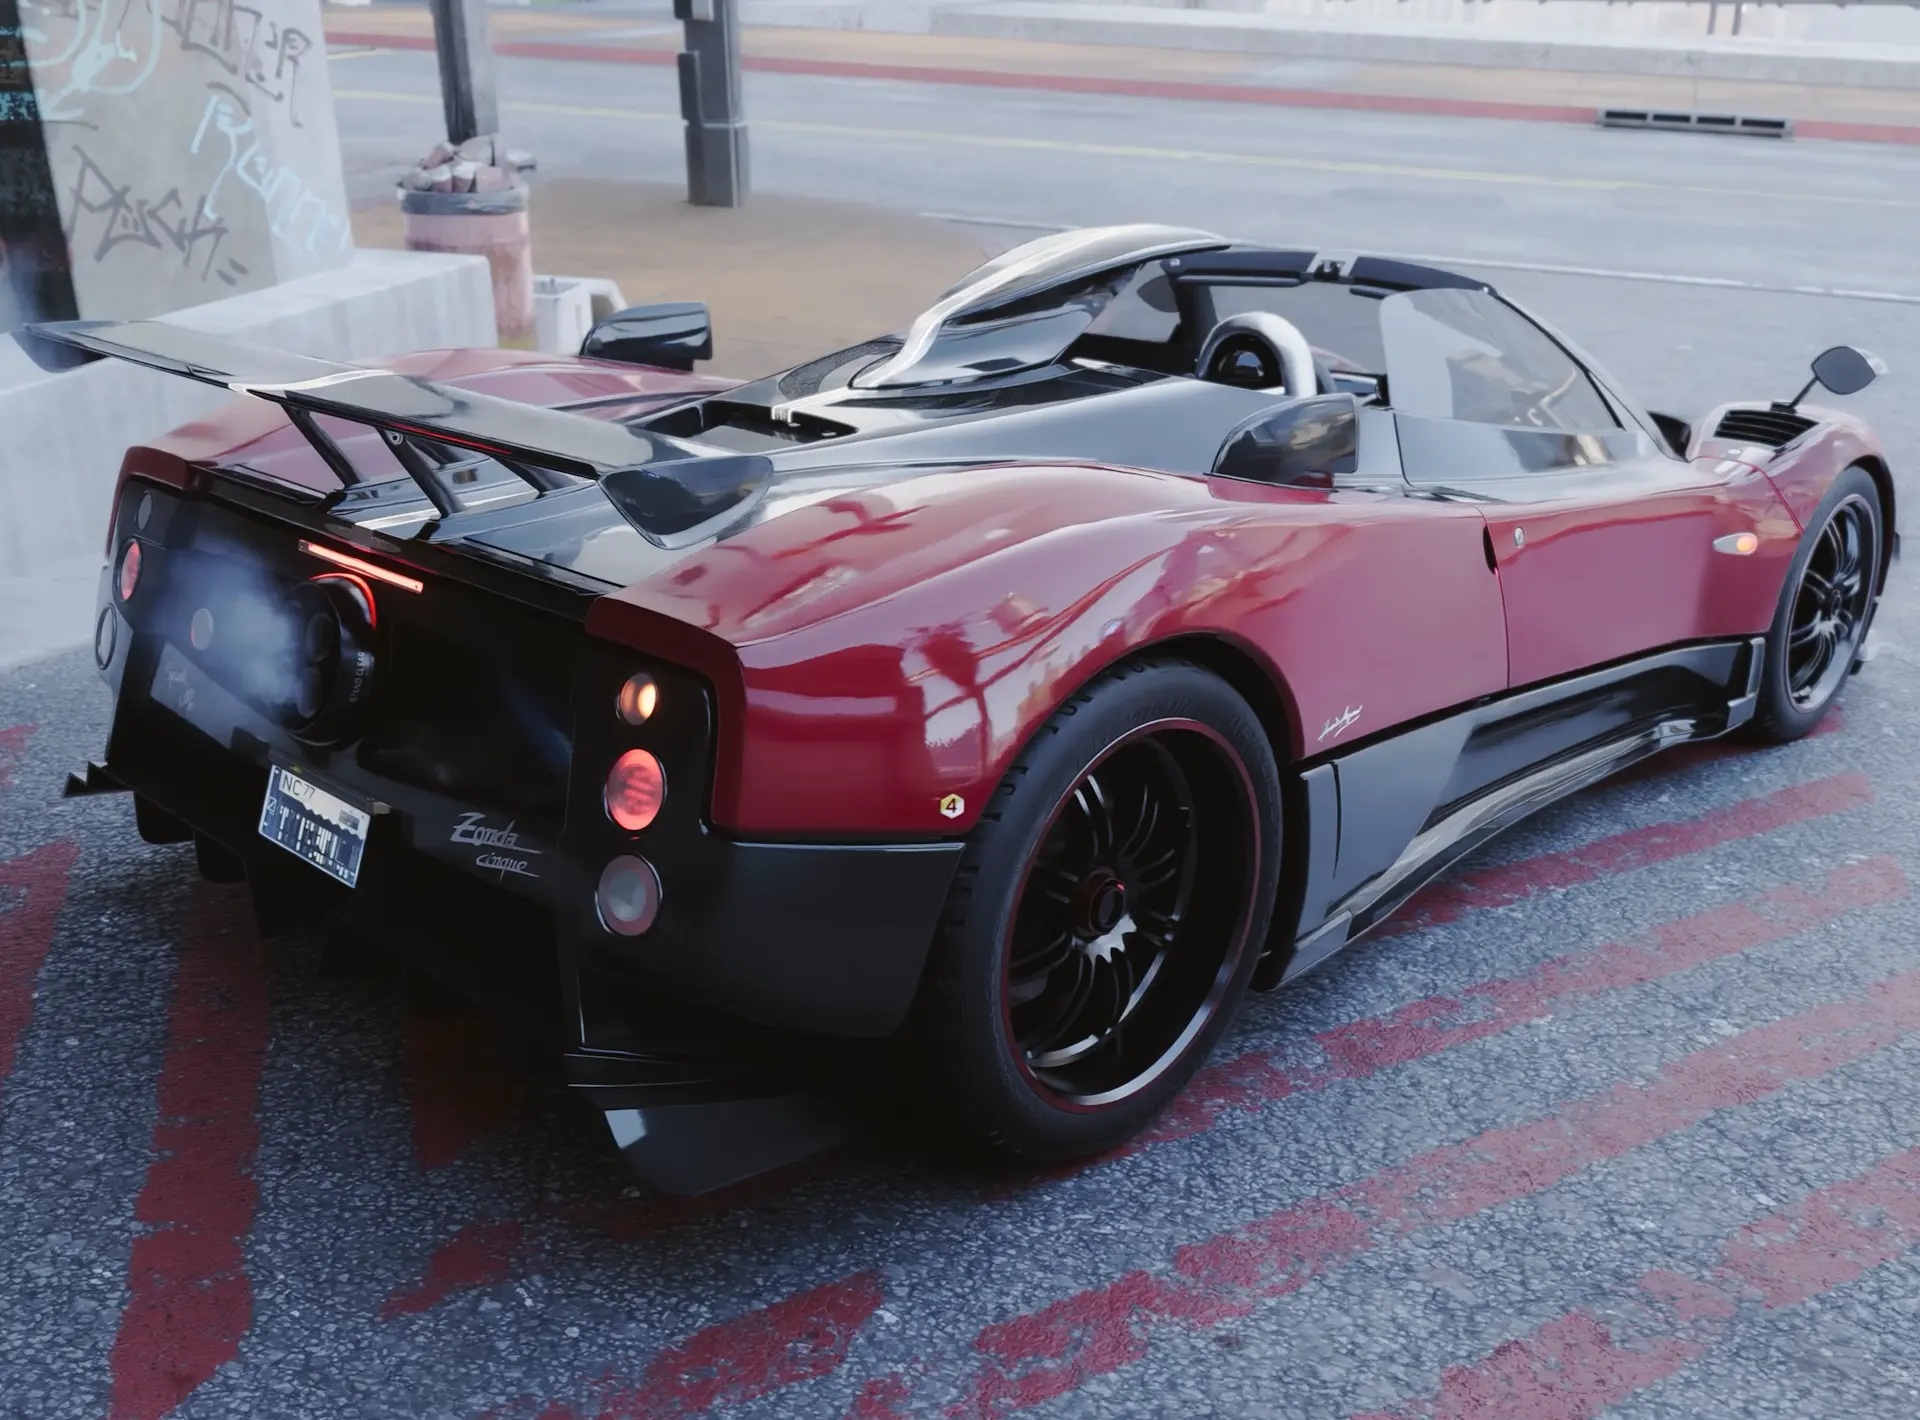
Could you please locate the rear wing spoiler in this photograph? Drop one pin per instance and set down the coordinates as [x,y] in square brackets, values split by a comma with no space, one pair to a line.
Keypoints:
[671,491]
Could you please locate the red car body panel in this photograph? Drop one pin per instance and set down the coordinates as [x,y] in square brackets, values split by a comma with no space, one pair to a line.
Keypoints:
[1616,564]
[864,701]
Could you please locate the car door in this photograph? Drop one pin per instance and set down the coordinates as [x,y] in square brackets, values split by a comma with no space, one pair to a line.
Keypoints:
[1607,545]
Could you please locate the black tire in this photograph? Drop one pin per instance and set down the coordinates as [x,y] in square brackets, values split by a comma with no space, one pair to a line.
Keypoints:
[1825,606]
[1052,1023]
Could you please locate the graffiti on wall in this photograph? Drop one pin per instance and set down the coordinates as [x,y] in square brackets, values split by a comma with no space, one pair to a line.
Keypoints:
[191,144]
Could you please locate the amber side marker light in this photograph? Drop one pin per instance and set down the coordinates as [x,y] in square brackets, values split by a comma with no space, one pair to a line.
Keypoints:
[363,567]
[639,698]
[1738,544]
[636,787]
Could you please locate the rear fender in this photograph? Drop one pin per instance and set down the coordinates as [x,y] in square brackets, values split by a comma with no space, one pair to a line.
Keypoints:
[897,646]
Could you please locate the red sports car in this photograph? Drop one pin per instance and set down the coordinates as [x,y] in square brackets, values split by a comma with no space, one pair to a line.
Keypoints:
[1006,697]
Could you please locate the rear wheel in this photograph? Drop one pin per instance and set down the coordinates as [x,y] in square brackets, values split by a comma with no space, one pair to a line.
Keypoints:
[1106,915]
[1824,609]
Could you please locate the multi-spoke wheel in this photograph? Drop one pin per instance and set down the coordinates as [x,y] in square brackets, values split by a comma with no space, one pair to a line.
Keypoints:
[1107,914]
[1824,610]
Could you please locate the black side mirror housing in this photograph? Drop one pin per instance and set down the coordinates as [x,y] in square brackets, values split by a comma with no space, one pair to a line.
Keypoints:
[669,336]
[1844,370]
[1303,443]
[1676,431]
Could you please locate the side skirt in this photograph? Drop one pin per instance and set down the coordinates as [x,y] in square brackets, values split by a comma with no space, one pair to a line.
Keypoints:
[1338,911]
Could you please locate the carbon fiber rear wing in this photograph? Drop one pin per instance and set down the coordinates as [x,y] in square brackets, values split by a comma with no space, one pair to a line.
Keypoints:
[550,450]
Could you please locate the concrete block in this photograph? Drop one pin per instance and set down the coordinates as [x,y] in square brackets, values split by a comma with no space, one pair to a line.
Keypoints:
[62,434]
[562,314]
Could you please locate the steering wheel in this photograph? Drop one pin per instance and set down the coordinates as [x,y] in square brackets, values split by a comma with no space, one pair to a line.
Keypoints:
[1260,351]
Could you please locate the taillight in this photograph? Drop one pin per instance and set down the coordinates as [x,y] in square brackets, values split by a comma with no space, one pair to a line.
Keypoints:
[129,570]
[628,897]
[636,787]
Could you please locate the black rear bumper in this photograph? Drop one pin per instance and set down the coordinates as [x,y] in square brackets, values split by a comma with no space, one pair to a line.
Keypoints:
[824,939]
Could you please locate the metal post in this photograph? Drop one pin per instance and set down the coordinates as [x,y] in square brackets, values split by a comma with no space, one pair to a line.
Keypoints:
[1713,14]
[710,102]
[466,69]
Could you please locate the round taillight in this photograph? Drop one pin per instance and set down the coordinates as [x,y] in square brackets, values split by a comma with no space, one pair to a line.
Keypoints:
[636,787]
[129,571]
[638,699]
[628,897]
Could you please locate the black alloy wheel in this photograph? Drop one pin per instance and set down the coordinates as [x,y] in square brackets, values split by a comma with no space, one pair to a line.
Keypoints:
[1119,942]
[1825,608]
[1830,608]
[1107,914]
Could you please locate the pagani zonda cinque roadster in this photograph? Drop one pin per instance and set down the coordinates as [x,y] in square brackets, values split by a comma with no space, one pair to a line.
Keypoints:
[1141,626]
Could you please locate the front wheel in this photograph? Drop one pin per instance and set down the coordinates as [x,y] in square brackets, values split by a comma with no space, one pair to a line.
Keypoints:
[1106,915]
[1824,609]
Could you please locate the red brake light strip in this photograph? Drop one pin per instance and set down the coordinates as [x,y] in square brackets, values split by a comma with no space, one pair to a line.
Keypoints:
[362,566]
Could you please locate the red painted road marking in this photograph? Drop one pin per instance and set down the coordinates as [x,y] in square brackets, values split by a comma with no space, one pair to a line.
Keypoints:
[1427,1027]
[461,1089]
[489,1254]
[1103,84]
[741,1359]
[479,1255]
[1578,1365]
[191,1300]
[1503,885]
[1048,1353]
[26,931]
[13,744]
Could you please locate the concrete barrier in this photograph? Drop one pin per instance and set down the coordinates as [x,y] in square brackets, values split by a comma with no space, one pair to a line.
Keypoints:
[1722,57]
[62,435]
[1358,33]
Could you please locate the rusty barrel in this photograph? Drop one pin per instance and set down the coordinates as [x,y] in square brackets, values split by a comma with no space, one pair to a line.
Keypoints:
[489,224]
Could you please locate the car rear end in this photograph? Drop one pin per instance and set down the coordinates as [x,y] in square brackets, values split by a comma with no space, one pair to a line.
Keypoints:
[391,733]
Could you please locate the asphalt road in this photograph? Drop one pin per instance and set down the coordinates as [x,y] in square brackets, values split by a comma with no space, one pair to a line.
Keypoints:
[1621,1120]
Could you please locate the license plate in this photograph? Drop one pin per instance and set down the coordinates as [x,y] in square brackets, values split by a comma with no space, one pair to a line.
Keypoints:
[316,825]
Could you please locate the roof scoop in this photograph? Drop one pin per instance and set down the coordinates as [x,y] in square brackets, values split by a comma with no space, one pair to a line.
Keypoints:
[1014,276]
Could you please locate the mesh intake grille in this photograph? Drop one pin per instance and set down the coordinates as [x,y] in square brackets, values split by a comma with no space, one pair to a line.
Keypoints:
[1762,426]
[807,379]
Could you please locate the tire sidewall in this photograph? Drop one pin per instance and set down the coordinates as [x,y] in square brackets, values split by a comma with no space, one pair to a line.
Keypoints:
[1011,1111]
[1777,717]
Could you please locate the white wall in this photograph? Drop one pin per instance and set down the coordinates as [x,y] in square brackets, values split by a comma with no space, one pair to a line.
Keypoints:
[1857,23]
[192,145]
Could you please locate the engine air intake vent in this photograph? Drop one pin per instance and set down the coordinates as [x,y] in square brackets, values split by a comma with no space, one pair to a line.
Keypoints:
[1771,427]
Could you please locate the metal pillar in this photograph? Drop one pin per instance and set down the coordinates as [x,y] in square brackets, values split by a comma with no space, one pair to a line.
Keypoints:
[710,102]
[467,91]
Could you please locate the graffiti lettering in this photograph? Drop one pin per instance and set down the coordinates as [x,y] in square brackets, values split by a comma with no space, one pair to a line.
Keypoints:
[168,223]
[296,214]
[262,53]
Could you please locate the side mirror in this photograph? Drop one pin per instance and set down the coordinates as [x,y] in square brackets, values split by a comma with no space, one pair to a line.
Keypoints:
[1844,370]
[671,336]
[1303,442]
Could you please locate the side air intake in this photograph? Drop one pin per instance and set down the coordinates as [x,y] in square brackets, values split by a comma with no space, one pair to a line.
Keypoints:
[1772,427]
